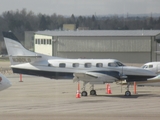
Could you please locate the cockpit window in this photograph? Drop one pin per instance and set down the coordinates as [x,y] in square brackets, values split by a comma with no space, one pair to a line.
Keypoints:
[144,66]
[115,64]
[112,64]
[120,64]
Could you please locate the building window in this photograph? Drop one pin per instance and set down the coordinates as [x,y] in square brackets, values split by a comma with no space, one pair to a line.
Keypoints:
[44,41]
[87,65]
[47,41]
[75,65]
[62,65]
[38,41]
[99,65]
[41,41]
[50,41]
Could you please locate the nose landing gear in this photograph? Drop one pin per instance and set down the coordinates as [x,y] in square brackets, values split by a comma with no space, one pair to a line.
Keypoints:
[128,93]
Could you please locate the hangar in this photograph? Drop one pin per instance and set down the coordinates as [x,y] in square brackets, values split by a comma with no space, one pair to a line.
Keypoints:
[129,46]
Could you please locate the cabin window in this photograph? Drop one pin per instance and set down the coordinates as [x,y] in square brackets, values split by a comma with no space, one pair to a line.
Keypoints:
[112,64]
[75,65]
[62,65]
[150,66]
[87,65]
[99,65]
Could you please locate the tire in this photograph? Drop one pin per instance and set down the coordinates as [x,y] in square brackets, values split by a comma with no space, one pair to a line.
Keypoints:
[127,93]
[84,93]
[92,92]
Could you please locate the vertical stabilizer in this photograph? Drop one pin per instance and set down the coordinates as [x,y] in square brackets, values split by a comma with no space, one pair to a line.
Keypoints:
[18,54]
[14,47]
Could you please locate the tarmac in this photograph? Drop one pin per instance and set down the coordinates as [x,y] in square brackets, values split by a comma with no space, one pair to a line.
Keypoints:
[39,98]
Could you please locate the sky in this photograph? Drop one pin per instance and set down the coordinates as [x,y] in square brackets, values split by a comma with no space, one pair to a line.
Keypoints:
[82,7]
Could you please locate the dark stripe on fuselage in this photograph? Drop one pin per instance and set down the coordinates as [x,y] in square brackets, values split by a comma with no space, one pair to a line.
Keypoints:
[48,74]
[131,78]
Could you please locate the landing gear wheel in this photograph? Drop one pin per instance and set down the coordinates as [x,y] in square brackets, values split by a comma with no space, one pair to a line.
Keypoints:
[84,93]
[127,93]
[92,92]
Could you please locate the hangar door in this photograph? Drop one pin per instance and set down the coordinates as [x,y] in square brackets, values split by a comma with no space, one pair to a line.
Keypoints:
[126,49]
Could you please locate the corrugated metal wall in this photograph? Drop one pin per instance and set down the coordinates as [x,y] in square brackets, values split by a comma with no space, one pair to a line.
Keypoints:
[126,57]
[104,44]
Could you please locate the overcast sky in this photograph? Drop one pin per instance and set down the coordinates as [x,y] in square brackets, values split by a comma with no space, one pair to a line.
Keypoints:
[83,7]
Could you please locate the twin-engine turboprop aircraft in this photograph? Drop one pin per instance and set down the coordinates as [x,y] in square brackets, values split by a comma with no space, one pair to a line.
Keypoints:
[93,71]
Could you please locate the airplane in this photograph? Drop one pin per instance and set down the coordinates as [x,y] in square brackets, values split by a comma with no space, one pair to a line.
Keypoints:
[4,82]
[152,66]
[93,71]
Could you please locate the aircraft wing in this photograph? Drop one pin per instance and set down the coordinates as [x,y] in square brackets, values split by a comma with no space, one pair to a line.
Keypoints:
[86,74]
[94,77]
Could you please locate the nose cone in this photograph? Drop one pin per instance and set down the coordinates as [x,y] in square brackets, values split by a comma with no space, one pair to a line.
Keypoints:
[4,82]
[138,71]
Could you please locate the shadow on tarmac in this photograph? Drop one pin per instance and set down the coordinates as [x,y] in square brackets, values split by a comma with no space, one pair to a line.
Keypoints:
[127,97]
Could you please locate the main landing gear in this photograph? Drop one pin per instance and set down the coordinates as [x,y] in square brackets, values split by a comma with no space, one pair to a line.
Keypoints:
[128,93]
[93,92]
[84,93]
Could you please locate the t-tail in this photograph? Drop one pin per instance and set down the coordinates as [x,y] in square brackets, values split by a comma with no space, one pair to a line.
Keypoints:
[18,54]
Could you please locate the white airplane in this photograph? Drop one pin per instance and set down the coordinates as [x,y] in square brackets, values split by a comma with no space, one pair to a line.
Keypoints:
[152,66]
[93,71]
[4,82]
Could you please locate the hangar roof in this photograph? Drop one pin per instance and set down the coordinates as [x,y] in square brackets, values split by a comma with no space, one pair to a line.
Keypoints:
[101,33]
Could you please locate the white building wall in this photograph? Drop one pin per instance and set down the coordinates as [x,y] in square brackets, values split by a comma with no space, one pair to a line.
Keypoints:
[43,44]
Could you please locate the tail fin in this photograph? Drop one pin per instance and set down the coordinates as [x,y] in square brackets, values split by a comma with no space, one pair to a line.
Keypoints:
[17,53]
[14,47]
